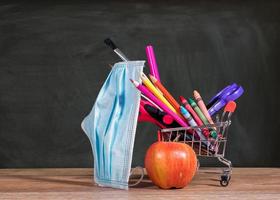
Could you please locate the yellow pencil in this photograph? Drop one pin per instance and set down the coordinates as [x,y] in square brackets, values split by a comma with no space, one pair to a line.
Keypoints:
[155,91]
[150,83]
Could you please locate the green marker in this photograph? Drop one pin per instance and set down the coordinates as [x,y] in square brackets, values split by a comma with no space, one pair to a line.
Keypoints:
[201,116]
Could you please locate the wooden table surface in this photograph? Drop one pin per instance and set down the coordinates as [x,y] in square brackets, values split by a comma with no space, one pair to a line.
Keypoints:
[246,183]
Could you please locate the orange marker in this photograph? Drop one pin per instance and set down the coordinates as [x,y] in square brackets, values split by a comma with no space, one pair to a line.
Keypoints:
[167,95]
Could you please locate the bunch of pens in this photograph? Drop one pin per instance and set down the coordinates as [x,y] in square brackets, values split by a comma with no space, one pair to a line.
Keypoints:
[161,108]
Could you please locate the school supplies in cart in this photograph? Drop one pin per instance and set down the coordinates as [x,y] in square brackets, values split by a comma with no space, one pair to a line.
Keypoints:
[218,145]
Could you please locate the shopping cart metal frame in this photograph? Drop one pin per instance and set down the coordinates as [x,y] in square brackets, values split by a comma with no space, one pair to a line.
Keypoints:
[217,148]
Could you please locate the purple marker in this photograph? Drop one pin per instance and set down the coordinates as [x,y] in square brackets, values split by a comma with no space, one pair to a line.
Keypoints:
[152,62]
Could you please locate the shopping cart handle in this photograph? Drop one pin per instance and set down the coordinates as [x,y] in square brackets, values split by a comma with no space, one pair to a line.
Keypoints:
[230,107]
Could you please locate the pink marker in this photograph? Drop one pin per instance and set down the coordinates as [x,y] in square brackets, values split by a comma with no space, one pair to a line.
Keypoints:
[148,94]
[152,62]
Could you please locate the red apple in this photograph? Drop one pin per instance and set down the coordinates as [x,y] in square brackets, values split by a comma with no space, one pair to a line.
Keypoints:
[170,164]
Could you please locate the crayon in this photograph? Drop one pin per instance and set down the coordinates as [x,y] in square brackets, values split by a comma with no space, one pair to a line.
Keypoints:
[148,94]
[202,106]
[152,61]
[195,116]
[191,122]
[197,110]
[200,114]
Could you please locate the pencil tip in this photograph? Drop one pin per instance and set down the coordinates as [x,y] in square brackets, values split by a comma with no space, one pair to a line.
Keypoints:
[152,78]
[135,82]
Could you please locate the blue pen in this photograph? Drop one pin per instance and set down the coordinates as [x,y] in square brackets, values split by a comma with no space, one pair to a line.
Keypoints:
[191,122]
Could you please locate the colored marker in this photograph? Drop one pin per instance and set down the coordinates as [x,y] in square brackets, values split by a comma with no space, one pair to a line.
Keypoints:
[191,121]
[202,106]
[161,117]
[155,91]
[148,94]
[195,116]
[200,114]
[144,116]
[152,61]
[165,92]
[149,113]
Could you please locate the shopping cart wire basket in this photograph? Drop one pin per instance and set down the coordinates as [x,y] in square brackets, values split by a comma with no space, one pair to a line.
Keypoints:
[208,146]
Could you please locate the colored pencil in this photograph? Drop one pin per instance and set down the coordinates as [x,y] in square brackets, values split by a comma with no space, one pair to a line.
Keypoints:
[155,91]
[165,92]
[148,94]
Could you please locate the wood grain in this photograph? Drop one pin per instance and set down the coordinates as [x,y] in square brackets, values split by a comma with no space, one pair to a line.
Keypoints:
[246,183]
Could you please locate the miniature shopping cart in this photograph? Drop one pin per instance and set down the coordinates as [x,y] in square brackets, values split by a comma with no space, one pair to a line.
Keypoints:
[207,147]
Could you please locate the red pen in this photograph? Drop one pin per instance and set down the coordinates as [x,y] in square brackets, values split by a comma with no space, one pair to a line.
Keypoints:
[194,115]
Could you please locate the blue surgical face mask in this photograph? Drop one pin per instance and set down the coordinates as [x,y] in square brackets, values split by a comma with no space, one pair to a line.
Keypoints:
[111,125]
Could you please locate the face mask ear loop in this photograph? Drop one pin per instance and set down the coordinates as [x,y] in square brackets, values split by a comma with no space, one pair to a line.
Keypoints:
[141,177]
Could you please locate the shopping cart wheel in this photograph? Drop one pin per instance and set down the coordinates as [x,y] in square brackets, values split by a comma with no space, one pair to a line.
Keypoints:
[225,180]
